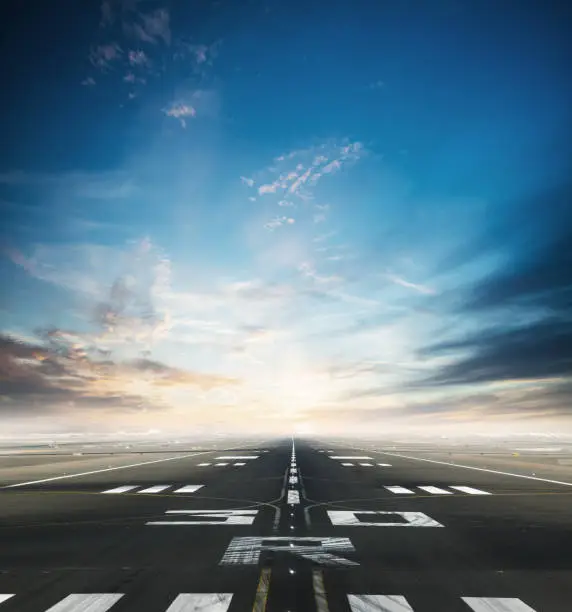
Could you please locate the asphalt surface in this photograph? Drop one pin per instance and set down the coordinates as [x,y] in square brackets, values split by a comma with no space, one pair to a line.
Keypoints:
[132,532]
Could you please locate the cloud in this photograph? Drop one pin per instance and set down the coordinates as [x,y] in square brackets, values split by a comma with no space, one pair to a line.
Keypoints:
[397,280]
[524,308]
[180,110]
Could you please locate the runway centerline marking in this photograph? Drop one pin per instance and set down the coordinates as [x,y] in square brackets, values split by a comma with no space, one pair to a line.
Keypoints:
[108,469]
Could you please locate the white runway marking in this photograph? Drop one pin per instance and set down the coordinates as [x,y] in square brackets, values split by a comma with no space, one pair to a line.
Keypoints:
[347,464]
[319,591]
[293,480]
[238,457]
[319,550]
[366,464]
[379,603]
[226,517]
[5,596]
[401,490]
[470,490]
[496,604]
[478,469]
[354,457]
[435,490]
[384,464]
[154,489]
[108,469]
[201,602]
[89,602]
[203,464]
[189,489]
[293,470]
[238,464]
[220,464]
[348,518]
[121,489]
[293,497]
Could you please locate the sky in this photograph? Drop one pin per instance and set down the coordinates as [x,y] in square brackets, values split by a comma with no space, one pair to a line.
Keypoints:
[268,216]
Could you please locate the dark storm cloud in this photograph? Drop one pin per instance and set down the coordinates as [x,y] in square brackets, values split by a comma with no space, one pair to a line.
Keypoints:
[531,295]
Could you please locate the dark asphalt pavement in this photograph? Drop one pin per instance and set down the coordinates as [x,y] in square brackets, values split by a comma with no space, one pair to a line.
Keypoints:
[407,535]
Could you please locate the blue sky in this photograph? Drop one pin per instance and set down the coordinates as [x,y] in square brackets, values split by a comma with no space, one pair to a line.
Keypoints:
[226,216]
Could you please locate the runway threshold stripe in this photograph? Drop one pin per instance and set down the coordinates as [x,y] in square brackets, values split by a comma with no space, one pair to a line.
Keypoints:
[366,464]
[354,457]
[238,464]
[384,464]
[201,602]
[154,489]
[320,591]
[121,489]
[379,603]
[5,596]
[470,490]
[347,464]
[189,488]
[220,464]
[496,604]
[262,590]
[88,602]
[402,490]
[202,464]
[435,490]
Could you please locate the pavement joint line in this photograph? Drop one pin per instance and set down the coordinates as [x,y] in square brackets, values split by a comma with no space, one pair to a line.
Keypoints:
[108,469]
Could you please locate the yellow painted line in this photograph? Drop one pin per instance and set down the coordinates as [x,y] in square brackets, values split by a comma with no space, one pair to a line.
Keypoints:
[262,590]
[320,591]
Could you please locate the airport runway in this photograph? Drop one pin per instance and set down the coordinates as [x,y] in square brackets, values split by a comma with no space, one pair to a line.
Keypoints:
[288,525]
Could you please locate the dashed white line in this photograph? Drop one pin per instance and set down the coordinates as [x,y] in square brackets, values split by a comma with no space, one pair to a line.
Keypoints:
[202,464]
[366,464]
[470,490]
[496,604]
[220,464]
[238,457]
[123,489]
[379,603]
[189,489]
[354,457]
[88,602]
[347,464]
[154,489]
[384,464]
[402,490]
[238,464]
[201,602]
[435,490]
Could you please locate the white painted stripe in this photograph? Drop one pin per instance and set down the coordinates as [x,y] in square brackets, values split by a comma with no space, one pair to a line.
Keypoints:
[5,596]
[379,603]
[354,457]
[189,489]
[206,517]
[384,464]
[436,490]
[367,464]
[108,469]
[293,497]
[238,464]
[238,457]
[293,480]
[496,604]
[349,518]
[470,490]
[121,489]
[88,602]
[203,464]
[201,602]
[402,490]
[220,464]
[293,470]
[347,464]
[478,469]
[154,489]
